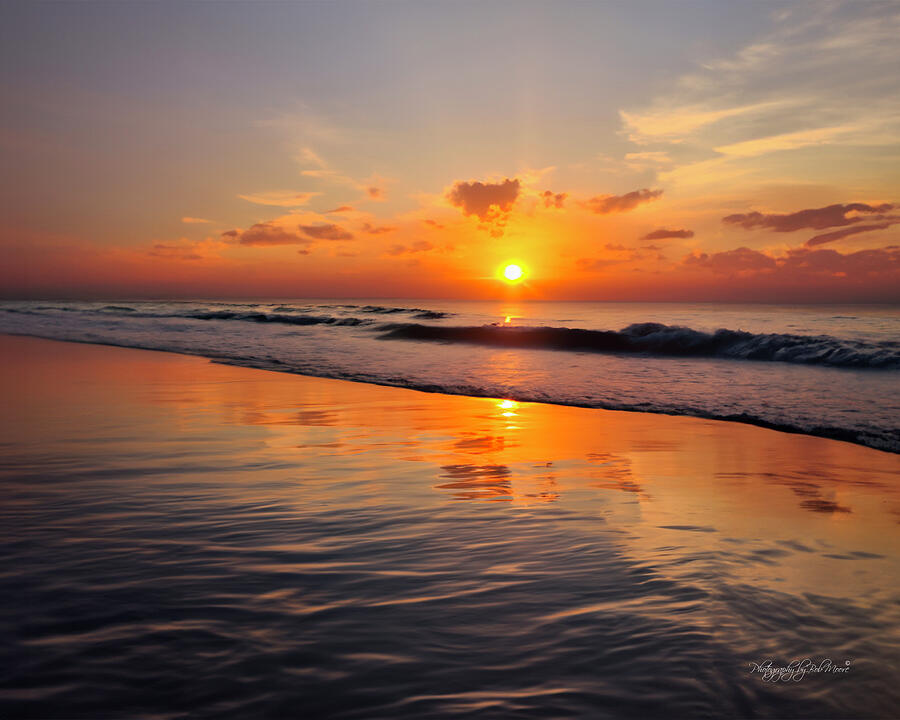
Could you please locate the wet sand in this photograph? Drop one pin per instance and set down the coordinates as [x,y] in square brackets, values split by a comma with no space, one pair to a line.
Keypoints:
[182,536]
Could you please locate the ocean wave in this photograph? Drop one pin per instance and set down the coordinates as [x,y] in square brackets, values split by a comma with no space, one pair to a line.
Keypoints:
[262,317]
[247,312]
[667,340]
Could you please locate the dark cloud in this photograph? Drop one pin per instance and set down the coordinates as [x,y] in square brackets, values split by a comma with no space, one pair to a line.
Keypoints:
[373,230]
[326,232]
[854,230]
[434,223]
[268,233]
[339,209]
[651,247]
[879,261]
[551,199]
[231,234]
[485,200]
[812,218]
[375,193]
[664,233]
[610,246]
[802,262]
[417,246]
[606,204]
[741,260]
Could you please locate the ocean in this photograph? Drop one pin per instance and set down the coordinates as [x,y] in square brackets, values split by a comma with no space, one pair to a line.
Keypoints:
[831,371]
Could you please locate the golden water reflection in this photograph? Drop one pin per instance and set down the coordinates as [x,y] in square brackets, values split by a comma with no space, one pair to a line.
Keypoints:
[787,506]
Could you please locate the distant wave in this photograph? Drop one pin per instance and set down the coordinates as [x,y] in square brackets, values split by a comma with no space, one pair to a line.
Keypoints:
[261,317]
[247,313]
[667,340]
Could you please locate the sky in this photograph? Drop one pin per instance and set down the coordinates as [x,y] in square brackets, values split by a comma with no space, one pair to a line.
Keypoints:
[694,151]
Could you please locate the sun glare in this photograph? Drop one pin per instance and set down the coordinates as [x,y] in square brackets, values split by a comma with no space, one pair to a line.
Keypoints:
[513,273]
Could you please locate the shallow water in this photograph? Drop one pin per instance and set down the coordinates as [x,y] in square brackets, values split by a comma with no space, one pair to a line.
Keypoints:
[832,371]
[188,539]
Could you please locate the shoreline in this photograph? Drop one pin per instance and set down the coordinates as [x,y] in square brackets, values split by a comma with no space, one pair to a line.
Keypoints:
[828,433]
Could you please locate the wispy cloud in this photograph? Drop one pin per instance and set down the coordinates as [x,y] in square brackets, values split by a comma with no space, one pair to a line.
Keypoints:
[816,80]
[280,198]
[606,204]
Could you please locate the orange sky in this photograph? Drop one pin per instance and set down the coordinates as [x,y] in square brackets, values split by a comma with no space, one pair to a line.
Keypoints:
[146,156]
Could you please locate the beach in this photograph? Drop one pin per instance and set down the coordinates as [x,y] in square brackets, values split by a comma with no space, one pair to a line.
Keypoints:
[182,537]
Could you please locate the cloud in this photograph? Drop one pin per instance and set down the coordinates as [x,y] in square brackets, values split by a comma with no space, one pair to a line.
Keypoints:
[326,232]
[812,218]
[435,224]
[174,252]
[741,260]
[372,187]
[195,221]
[879,261]
[375,230]
[606,204]
[655,160]
[792,140]
[231,234]
[187,249]
[845,232]
[801,262]
[664,233]
[308,155]
[339,209]
[594,264]
[417,246]
[671,123]
[554,200]
[808,99]
[486,200]
[624,255]
[656,248]
[268,233]
[280,198]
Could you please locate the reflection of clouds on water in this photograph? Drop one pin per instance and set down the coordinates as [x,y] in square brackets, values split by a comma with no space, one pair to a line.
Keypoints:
[477,482]
[312,418]
[478,445]
[816,487]
[614,472]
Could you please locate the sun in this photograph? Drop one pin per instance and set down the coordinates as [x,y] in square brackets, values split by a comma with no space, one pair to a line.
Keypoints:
[513,273]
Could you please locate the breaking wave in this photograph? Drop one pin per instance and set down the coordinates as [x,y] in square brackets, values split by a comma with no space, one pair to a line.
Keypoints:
[667,340]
